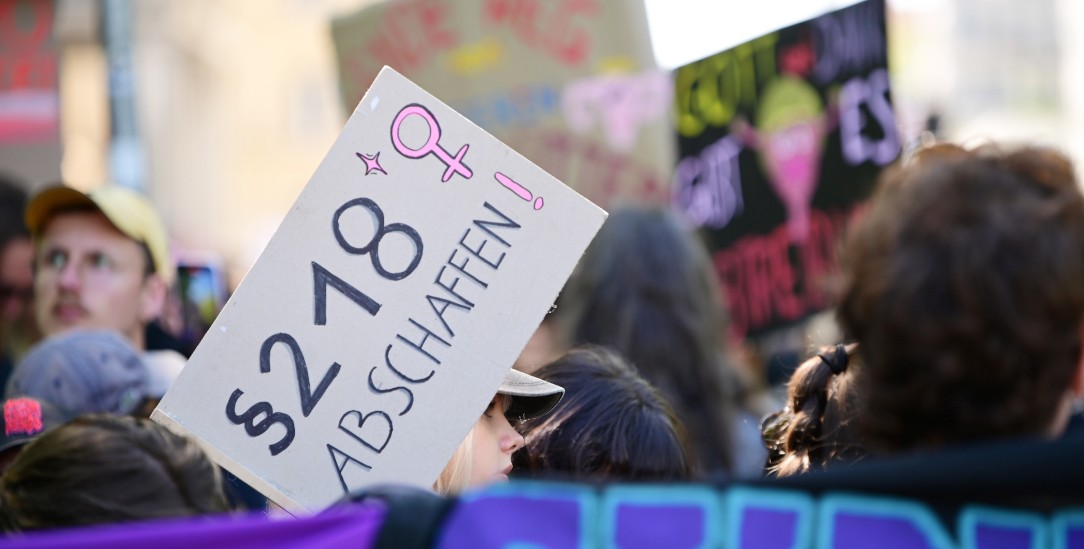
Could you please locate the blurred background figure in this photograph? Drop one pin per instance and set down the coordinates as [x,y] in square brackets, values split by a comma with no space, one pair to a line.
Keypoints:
[18,331]
[104,468]
[85,371]
[646,288]
[542,348]
[103,262]
[23,419]
[817,426]
[611,425]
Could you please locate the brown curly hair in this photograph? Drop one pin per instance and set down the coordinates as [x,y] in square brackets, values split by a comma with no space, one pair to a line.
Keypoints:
[964,285]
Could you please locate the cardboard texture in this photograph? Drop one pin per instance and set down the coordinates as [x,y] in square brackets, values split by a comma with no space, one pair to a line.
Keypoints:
[379,321]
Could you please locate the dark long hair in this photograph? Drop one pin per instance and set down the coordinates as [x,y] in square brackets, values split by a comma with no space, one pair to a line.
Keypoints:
[104,468]
[646,287]
[610,425]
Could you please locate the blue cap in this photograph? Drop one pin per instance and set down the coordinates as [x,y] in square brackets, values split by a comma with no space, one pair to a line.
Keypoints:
[83,371]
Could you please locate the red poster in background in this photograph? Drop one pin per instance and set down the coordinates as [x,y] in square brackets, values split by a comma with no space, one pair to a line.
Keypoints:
[28,91]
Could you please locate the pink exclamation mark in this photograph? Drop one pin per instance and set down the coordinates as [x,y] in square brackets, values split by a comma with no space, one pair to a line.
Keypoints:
[518,189]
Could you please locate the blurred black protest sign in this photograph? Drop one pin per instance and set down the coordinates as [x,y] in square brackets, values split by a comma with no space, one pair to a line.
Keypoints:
[779,139]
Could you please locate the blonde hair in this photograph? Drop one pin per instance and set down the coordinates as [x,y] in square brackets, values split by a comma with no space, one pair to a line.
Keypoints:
[455,478]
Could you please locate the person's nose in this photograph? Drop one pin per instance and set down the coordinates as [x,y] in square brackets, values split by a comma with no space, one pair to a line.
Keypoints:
[510,439]
[69,277]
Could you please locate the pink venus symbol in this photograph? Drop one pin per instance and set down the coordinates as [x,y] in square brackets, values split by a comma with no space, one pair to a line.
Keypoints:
[520,190]
[432,144]
[372,163]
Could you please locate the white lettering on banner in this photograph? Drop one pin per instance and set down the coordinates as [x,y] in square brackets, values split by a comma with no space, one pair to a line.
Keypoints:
[707,187]
[851,40]
[859,143]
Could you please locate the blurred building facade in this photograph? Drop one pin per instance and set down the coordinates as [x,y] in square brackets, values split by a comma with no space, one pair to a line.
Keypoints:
[29,105]
[235,105]
[993,69]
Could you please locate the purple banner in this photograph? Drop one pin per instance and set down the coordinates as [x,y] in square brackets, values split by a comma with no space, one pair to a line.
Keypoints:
[354,526]
[558,516]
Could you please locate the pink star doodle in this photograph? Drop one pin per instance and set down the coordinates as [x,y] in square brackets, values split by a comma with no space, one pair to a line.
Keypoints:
[372,163]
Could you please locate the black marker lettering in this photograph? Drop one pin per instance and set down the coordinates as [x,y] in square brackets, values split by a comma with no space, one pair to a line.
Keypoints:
[484,225]
[321,277]
[462,268]
[309,398]
[257,429]
[439,305]
[378,390]
[478,252]
[373,246]
[420,345]
[401,375]
[451,289]
[355,431]
[341,460]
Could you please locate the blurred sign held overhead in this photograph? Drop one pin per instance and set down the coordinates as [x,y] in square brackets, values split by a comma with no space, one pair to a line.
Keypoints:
[778,140]
[570,84]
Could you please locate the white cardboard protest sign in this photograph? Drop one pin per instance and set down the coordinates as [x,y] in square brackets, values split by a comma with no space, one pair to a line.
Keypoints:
[379,321]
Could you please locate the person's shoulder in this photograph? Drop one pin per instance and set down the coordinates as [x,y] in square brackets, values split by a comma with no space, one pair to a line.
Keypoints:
[1016,471]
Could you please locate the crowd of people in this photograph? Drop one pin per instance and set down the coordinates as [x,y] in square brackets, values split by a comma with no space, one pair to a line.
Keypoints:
[961,303]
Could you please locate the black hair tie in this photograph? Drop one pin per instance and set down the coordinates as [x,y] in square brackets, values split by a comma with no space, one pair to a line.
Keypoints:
[837,360]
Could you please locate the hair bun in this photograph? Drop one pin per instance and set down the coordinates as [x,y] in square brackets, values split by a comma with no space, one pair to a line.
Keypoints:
[836,360]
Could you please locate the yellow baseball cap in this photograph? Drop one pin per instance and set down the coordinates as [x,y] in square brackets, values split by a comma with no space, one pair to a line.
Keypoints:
[129,211]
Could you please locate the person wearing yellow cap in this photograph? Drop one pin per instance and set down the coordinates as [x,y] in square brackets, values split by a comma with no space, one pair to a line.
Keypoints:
[101,261]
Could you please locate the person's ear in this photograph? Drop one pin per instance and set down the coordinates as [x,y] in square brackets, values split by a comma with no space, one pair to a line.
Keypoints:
[154,297]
